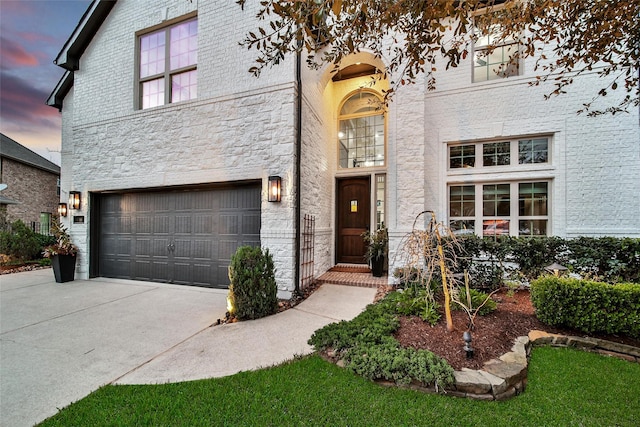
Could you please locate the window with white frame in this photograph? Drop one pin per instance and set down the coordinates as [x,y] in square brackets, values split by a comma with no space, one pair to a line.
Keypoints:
[493,154]
[496,209]
[495,57]
[168,64]
[482,201]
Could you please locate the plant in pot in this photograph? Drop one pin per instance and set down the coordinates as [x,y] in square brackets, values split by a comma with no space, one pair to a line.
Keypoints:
[62,254]
[377,243]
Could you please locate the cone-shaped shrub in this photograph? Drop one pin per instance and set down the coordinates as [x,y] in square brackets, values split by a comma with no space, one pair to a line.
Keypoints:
[253,289]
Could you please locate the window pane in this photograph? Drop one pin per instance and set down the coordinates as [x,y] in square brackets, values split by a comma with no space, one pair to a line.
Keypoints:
[184,45]
[153,93]
[152,48]
[462,200]
[533,151]
[184,86]
[496,154]
[495,199]
[495,227]
[462,156]
[380,200]
[361,142]
[460,227]
[532,199]
[532,227]
[494,63]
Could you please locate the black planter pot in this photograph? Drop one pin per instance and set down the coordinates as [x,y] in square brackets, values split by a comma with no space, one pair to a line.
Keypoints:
[64,267]
[377,266]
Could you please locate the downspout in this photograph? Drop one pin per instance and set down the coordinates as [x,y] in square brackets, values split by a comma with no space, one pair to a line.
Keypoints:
[298,142]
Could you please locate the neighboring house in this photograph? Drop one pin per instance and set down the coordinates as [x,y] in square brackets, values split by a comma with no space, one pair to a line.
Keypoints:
[33,186]
[171,143]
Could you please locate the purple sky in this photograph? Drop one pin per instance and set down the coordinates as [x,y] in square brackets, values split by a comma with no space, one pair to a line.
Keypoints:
[32,33]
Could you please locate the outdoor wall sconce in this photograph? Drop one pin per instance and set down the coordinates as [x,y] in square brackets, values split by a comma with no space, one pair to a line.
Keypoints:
[275,188]
[62,209]
[74,200]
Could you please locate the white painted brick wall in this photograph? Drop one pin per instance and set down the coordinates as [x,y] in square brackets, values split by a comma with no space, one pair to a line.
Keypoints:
[238,128]
[241,127]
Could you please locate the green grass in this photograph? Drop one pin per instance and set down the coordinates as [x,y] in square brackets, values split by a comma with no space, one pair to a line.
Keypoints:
[566,388]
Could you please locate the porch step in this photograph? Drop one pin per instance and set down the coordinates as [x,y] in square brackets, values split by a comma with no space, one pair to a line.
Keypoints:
[351,278]
[351,268]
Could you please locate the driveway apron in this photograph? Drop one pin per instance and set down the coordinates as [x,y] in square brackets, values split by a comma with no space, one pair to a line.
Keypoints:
[61,341]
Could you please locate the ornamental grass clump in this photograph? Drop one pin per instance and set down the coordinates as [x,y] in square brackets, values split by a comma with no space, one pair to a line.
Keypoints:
[253,290]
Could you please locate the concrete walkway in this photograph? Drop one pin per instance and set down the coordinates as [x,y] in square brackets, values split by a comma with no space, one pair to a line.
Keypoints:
[60,342]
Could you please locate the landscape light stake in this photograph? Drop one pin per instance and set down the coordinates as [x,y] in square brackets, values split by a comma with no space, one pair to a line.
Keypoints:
[466,336]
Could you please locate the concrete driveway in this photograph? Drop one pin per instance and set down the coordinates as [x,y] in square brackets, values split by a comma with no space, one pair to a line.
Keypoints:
[61,341]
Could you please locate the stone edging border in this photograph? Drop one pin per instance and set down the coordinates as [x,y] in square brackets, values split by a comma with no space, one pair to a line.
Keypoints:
[505,377]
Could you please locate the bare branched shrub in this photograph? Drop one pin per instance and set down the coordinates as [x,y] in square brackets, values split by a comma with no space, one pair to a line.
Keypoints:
[430,255]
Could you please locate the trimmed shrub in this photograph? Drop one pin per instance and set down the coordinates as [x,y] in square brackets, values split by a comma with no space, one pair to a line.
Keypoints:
[253,288]
[21,242]
[591,307]
[609,259]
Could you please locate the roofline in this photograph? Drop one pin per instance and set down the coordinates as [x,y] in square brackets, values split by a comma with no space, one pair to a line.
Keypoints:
[61,90]
[45,165]
[69,56]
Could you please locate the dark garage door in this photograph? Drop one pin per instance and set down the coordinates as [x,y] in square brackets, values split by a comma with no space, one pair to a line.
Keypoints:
[179,236]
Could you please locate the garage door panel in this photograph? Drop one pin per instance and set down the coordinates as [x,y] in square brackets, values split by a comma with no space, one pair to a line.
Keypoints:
[123,247]
[228,224]
[250,224]
[179,236]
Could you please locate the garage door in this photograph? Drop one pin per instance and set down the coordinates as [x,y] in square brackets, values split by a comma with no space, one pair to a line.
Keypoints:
[181,236]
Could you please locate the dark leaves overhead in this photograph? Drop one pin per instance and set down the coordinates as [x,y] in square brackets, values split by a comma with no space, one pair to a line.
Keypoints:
[566,38]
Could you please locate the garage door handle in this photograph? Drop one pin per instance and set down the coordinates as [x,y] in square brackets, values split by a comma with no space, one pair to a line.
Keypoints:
[171,247]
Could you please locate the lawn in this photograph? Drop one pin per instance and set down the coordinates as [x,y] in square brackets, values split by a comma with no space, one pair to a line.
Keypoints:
[566,387]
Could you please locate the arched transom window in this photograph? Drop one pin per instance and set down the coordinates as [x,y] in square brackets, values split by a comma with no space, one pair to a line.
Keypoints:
[361,136]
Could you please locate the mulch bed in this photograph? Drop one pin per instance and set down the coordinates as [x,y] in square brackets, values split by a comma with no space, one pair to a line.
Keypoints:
[492,336]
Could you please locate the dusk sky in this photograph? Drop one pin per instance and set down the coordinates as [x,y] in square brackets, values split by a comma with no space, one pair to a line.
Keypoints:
[32,33]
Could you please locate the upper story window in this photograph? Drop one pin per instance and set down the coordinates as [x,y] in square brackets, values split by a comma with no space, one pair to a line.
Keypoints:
[500,153]
[361,133]
[495,57]
[168,64]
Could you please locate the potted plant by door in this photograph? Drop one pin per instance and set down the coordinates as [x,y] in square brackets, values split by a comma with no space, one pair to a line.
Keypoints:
[62,253]
[377,244]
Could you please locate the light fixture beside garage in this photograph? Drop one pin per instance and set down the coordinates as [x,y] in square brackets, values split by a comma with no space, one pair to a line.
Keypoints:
[74,200]
[275,188]
[62,209]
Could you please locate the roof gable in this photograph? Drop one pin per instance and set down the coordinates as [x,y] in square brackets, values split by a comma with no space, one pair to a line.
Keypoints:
[69,56]
[19,153]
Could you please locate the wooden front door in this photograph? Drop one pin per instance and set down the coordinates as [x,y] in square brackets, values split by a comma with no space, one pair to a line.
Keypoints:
[353,219]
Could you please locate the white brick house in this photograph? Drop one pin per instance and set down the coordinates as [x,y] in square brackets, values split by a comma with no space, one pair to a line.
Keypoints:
[170,142]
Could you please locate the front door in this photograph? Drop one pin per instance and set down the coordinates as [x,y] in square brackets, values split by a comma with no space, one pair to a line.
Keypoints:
[353,219]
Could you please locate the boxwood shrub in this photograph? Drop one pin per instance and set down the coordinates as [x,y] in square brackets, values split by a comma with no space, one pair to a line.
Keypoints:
[253,288]
[590,307]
